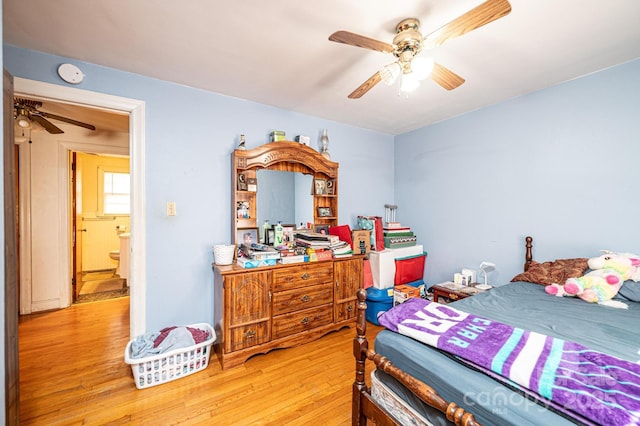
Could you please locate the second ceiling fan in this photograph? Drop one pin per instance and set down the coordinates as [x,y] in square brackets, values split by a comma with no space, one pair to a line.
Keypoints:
[409,42]
[26,111]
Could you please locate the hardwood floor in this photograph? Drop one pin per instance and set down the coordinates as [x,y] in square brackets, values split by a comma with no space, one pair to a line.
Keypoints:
[72,372]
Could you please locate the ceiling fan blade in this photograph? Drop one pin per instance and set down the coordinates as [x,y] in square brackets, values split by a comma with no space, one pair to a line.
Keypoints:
[357,40]
[487,12]
[366,86]
[67,120]
[48,126]
[445,77]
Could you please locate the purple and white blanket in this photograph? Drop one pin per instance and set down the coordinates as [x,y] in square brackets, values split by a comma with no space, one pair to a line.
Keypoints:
[592,384]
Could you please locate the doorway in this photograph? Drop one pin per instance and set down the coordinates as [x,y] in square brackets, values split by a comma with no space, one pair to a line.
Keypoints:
[135,110]
[100,213]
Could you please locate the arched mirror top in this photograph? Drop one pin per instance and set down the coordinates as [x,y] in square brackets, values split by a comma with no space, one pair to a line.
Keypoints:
[286,156]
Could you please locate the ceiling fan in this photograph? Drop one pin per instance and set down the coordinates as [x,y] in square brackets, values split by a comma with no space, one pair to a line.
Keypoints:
[26,111]
[409,42]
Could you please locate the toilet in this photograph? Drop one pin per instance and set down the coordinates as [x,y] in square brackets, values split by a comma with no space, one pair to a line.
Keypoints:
[115,255]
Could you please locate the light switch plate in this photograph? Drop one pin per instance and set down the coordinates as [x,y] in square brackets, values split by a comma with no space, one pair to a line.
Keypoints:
[171,208]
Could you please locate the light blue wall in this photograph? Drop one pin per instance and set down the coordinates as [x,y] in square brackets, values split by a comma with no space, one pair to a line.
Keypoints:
[190,134]
[561,165]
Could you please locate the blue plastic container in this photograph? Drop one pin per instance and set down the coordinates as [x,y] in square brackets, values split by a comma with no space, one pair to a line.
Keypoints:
[379,300]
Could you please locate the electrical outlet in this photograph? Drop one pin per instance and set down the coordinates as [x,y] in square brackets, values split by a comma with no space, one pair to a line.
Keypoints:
[171,208]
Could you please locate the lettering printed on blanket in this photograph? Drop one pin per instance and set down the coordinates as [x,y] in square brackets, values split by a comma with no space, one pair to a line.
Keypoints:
[600,387]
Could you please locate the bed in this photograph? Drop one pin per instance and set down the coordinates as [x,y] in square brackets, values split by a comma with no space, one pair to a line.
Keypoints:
[423,385]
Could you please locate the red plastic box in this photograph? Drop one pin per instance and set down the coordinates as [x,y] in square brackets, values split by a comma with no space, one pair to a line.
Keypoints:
[409,269]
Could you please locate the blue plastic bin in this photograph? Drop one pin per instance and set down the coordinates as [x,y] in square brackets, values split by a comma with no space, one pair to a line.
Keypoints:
[379,300]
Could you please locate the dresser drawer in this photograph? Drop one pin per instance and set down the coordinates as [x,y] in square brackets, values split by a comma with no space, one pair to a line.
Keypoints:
[346,311]
[302,298]
[288,324]
[302,276]
[247,336]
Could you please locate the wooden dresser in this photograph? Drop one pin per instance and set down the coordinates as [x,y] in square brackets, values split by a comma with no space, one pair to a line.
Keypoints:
[257,310]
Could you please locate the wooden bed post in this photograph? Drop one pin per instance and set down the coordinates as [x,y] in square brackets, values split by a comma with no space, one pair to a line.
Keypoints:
[528,256]
[360,347]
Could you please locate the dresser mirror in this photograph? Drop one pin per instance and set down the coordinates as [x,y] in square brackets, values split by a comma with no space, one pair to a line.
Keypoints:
[284,196]
[274,182]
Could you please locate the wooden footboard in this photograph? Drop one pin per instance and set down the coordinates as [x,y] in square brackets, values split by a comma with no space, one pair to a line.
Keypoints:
[365,408]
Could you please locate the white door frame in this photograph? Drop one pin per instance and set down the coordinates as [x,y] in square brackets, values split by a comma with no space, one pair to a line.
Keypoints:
[136,110]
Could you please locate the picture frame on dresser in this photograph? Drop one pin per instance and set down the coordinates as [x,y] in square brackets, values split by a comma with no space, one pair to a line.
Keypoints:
[288,230]
[242,182]
[331,187]
[325,212]
[252,184]
[247,236]
[320,186]
[270,236]
[321,229]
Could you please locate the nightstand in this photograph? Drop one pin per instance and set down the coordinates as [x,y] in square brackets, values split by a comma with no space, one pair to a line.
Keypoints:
[450,292]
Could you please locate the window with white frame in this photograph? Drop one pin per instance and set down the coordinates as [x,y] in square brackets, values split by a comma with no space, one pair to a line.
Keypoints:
[116,193]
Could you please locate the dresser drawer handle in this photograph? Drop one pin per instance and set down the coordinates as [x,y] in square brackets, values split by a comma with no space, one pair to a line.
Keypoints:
[349,308]
[305,321]
[305,298]
[249,334]
[305,276]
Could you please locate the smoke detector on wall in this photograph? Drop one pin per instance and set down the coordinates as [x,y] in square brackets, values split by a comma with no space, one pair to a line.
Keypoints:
[70,73]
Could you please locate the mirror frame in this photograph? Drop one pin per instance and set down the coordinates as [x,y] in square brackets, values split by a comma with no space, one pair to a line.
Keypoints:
[283,156]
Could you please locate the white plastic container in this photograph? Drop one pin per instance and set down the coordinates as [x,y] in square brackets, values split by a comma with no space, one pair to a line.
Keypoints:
[383,264]
[172,365]
[223,254]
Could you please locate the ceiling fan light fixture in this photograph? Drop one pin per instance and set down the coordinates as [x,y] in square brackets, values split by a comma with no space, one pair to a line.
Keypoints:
[390,73]
[409,42]
[22,120]
[409,83]
[422,67]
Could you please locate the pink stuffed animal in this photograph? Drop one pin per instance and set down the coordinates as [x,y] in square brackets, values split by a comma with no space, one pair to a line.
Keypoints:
[600,285]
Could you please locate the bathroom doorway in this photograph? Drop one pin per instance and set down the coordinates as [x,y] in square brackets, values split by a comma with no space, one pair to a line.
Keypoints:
[100,215]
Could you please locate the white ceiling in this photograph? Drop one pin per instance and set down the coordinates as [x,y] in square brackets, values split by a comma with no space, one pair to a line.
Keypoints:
[277,52]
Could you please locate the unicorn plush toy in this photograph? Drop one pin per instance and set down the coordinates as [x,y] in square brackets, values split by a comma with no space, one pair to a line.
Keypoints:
[601,284]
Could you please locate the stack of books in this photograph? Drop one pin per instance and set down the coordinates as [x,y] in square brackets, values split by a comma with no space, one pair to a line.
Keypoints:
[316,255]
[314,240]
[293,255]
[255,255]
[323,246]
[397,236]
[342,250]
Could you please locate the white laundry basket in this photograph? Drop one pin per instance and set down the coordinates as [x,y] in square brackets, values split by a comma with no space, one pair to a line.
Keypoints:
[162,368]
[223,254]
